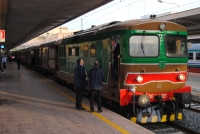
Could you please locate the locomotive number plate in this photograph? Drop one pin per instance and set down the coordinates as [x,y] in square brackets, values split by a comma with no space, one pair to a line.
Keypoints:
[162,64]
[159,85]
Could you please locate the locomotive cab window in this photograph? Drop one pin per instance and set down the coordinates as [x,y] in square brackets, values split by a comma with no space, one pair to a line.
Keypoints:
[93,50]
[143,46]
[176,46]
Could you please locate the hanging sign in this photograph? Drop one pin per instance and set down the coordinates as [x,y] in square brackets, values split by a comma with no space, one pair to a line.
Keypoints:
[2,35]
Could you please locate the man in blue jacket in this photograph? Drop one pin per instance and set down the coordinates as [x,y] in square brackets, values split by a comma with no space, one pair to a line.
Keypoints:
[96,77]
[80,82]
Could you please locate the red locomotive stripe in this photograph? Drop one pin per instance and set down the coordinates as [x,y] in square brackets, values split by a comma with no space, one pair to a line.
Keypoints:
[173,77]
[126,96]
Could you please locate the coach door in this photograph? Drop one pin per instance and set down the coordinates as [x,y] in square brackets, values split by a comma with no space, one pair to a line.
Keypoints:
[52,56]
[99,53]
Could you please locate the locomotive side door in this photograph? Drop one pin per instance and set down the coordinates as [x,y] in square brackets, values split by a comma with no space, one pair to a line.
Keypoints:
[99,53]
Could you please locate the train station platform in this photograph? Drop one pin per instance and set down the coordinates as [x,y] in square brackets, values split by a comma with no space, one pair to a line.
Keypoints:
[33,104]
[194,81]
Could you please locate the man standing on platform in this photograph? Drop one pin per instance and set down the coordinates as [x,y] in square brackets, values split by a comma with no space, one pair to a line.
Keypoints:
[18,62]
[80,82]
[96,77]
[1,63]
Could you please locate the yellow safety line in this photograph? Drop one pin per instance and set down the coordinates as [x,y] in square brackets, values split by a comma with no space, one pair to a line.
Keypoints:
[120,129]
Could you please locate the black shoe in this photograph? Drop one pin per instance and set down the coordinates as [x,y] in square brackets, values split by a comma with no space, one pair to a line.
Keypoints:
[91,109]
[80,108]
[99,111]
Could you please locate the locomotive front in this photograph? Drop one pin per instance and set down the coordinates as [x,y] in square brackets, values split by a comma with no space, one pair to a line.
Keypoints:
[153,72]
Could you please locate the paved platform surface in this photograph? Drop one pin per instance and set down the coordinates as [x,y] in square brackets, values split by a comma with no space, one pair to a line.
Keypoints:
[194,81]
[33,104]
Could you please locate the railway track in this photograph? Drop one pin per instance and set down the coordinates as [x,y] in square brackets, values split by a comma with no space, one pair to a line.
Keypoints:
[195,106]
[169,128]
[183,128]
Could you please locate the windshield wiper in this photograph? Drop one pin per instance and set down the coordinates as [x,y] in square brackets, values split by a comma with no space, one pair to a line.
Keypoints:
[142,45]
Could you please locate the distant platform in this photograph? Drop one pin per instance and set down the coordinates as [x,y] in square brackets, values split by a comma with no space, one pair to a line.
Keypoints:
[194,82]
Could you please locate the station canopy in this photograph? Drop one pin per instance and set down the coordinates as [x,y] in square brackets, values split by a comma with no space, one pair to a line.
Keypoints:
[23,20]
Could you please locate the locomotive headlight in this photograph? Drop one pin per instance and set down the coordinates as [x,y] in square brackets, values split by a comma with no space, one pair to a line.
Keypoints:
[143,101]
[181,77]
[132,89]
[162,26]
[139,78]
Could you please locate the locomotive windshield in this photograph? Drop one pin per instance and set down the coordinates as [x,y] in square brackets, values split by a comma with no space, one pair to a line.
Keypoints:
[176,46]
[143,46]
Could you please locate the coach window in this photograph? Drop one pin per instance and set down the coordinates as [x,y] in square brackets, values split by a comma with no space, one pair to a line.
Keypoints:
[64,51]
[73,51]
[93,50]
[143,46]
[197,56]
[85,51]
[190,56]
[59,52]
[77,51]
[70,51]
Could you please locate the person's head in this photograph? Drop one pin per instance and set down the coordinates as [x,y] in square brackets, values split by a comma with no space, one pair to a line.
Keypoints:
[96,63]
[113,42]
[80,61]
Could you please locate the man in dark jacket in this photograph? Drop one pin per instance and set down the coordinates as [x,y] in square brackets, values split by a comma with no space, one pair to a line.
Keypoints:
[18,62]
[96,77]
[80,82]
[116,56]
[1,64]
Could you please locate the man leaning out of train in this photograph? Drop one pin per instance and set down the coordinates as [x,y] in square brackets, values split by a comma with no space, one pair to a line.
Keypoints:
[80,82]
[96,77]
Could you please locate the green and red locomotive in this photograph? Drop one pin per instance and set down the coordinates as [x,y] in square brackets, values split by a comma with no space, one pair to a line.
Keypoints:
[152,67]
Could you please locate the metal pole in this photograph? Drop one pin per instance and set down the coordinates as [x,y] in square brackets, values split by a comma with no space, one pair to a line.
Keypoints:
[133,97]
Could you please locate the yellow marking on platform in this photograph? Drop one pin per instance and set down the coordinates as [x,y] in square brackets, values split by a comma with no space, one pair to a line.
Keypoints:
[180,116]
[164,118]
[154,119]
[144,119]
[118,128]
[172,117]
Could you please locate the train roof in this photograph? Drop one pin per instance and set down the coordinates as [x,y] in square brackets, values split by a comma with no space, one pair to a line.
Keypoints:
[140,24]
[194,47]
[147,24]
